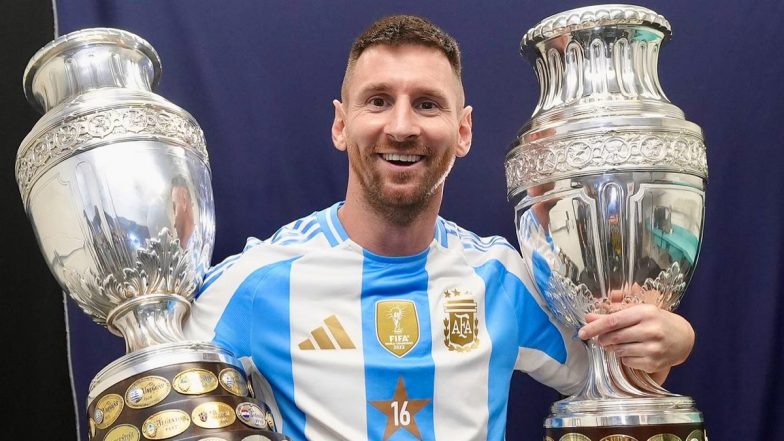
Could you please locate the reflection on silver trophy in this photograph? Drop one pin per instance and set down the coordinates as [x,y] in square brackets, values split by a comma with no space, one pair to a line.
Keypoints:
[116,182]
[608,182]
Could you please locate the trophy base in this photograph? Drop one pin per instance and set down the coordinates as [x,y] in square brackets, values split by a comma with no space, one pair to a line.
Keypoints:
[653,432]
[188,390]
[670,418]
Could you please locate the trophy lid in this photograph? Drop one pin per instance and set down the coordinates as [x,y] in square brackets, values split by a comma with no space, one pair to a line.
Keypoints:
[592,16]
[89,59]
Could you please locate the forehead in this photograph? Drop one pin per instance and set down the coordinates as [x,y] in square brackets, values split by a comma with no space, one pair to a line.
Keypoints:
[406,65]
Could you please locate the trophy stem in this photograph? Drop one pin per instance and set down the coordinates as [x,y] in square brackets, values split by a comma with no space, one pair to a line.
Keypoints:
[149,320]
[600,379]
[643,381]
[620,380]
[606,378]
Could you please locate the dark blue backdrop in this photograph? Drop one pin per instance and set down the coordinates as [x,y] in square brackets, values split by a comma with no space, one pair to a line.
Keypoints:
[260,76]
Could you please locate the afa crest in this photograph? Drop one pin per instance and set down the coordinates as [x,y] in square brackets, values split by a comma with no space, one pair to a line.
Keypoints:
[461,324]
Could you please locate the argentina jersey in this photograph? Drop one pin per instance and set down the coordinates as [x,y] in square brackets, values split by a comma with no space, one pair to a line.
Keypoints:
[351,345]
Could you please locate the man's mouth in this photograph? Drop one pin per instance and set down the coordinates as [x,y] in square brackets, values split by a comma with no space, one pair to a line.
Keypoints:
[398,159]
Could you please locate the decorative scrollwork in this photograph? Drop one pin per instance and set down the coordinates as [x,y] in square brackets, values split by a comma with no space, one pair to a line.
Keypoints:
[73,136]
[551,160]
[161,267]
[568,301]
[668,287]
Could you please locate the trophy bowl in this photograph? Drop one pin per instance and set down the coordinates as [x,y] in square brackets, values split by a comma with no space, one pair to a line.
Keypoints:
[116,182]
[608,183]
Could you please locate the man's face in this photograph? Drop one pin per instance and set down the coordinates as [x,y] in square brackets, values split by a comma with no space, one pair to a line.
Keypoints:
[402,123]
[183,213]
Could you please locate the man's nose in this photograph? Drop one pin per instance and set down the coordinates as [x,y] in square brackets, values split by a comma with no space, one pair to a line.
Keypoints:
[402,124]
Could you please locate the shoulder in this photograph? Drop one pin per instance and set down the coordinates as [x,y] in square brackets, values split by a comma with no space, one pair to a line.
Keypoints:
[290,241]
[473,245]
[494,256]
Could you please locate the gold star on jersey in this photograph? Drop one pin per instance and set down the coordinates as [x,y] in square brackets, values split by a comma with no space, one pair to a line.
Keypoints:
[401,411]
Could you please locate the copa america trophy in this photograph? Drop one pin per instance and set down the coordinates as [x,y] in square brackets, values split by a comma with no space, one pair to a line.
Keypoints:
[608,182]
[116,182]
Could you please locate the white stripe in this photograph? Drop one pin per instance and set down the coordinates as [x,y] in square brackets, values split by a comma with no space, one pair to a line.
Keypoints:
[458,413]
[335,409]
[566,378]
[250,243]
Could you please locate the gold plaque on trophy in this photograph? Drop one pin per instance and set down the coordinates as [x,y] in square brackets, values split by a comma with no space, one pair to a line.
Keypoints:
[213,415]
[195,382]
[166,424]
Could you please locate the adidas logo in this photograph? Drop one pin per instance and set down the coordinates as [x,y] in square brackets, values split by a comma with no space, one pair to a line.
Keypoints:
[327,337]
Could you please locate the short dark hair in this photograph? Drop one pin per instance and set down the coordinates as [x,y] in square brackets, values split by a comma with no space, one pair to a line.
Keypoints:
[397,30]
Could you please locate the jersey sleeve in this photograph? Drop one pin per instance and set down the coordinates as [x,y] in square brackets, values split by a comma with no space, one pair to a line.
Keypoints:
[221,312]
[547,350]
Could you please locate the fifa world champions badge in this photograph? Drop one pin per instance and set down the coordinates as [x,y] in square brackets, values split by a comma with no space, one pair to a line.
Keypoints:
[397,326]
[461,323]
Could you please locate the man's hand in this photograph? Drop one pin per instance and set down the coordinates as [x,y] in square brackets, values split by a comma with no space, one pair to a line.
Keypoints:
[643,336]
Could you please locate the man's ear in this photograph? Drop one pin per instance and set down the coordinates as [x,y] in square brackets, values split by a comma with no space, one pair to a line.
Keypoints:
[465,132]
[338,126]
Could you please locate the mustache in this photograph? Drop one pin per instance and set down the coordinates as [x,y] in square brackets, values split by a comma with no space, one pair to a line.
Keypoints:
[413,146]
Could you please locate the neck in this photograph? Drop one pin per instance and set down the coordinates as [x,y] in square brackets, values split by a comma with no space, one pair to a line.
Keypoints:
[375,232]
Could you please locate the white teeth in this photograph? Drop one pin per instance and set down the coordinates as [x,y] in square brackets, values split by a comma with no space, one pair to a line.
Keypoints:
[401,158]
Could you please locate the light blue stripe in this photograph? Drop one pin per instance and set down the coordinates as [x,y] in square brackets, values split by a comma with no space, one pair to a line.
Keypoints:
[441,235]
[308,226]
[391,278]
[301,238]
[542,271]
[494,241]
[277,234]
[322,218]
[335,221]
[256,323]
[312,229]
[204,286]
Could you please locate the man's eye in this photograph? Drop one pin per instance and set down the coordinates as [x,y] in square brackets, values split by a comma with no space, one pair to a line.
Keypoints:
[428,105]
[378,102]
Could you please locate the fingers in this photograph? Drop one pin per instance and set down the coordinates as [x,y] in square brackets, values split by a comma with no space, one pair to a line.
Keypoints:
[647,364]
[599,324]
[640,356]
[643,336]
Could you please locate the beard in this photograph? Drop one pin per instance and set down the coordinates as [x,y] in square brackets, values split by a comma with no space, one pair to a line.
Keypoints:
[400,206]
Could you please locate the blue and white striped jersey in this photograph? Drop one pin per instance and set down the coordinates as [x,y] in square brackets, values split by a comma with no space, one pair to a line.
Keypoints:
[355,346]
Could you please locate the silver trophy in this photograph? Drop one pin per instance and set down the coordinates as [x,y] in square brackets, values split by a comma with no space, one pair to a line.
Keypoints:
[608,183]
[116,182]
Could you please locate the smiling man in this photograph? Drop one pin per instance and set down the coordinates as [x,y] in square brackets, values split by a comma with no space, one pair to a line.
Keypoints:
[403,123]
[377,319]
